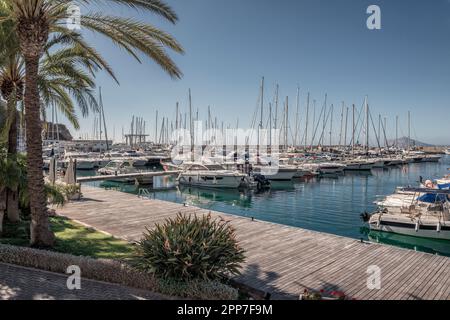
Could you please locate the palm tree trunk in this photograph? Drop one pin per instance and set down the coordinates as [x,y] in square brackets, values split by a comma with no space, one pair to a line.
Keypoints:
[41,235]
[2,207]
[12,201]
[12,205]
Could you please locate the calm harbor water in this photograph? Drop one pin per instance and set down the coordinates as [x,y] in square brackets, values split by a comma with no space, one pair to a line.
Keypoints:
[327,204]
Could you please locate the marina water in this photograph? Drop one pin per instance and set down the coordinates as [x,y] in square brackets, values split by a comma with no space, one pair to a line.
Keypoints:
[331,204]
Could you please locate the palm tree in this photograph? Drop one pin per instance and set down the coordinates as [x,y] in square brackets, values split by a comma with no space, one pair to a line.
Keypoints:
[9,179]
[35,21]
[60,79]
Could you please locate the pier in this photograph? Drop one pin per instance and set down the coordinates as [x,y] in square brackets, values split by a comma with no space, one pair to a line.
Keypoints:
[281,260]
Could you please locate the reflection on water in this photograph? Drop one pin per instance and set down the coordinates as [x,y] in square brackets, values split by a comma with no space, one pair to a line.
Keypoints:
[331,204]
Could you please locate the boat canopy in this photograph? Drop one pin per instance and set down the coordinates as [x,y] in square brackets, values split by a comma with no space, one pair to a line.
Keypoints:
[433,198]
[444,186]
[426,190]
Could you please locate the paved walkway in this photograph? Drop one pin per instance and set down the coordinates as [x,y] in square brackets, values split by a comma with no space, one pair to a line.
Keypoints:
[18,283]
[282,260]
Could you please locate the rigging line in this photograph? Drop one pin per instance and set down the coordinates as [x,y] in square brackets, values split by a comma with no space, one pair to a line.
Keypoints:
[356,124]
[385,137]
[373,126]
[362,126]
[325,125]
[317,126]
[255,116]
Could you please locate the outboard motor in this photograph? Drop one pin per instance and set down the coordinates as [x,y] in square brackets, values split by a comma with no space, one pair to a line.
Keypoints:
[365,216]
[262,182]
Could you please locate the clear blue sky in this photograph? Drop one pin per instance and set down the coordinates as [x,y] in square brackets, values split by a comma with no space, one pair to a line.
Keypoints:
[323,46]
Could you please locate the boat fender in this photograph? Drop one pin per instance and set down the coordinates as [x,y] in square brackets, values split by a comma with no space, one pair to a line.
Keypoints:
[379,221]
[417,226]
[438,228]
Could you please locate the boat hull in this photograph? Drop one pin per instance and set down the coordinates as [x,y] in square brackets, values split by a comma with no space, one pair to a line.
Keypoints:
[208,181]
[406,226]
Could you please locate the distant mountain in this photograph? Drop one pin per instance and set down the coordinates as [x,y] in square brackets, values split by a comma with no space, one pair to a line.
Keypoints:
[403,143]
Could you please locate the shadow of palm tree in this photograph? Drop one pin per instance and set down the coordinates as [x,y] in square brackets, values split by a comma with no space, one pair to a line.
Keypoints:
[261,284]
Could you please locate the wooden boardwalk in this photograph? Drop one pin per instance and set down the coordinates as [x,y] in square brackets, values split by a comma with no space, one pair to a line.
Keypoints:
[282,260]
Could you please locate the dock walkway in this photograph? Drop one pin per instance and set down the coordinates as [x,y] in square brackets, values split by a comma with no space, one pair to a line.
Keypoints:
[282,260]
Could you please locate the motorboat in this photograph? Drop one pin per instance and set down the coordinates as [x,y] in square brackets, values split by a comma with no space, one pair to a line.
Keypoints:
[84,161]
[358,165]
[277,173]
[419,212]
[325,168]
[213,176]
[432,158]
[122,167]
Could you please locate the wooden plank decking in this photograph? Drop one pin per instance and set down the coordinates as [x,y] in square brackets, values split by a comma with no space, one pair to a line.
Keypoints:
[282,260]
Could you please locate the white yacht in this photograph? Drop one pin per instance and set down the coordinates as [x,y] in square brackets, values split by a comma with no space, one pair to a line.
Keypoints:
[325,167]
[138,160]
[277,173]
[419,212]
[447,151]
[82,159]
[359,165]
[212,176]
[432,158]
[118,167]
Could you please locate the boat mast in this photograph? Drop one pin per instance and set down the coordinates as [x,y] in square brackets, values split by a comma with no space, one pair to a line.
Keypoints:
[307,118]
[345,129]
[367,126]
[342,123]
[261,119]
[286,127]
[53,121]
[190,126]
[409,130]
[331,124]
[176,117]
[102,110]
[324,123]
[379,129]
[276,107]
[296,118]
[156,128]
[270,126]
[314,123]
[353,131]
[396,131]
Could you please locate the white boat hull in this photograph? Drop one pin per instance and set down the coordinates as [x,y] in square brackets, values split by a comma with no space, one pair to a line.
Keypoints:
[409,227]
[331,170]
[85,164]
[281,175]
[210,181]
[302,173]
[379,164]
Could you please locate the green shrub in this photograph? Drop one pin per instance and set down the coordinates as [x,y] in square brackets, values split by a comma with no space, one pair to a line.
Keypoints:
[197,289]
[97,269]
[190,247]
